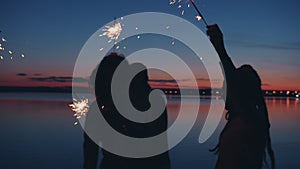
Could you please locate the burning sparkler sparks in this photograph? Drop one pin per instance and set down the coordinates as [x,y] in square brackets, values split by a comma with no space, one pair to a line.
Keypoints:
[180,6]
[9,52]
[199,13]
[80,107]
[198,18]
[172,2]
[112,32]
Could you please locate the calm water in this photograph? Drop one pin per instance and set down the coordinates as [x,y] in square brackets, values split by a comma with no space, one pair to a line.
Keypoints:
[37,132]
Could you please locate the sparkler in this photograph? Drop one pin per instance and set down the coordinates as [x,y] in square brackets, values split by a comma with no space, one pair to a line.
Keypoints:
[180,6]
[199,13]
[112,32]
[198,18]
[80,107]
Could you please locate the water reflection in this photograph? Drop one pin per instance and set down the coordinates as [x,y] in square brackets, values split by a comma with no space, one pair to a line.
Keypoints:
[37,132]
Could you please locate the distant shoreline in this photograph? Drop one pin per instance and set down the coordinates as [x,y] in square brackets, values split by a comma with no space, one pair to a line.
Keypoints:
[203,92]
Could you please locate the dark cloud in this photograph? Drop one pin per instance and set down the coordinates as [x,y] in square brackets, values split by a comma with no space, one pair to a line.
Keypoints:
[61,79]
[202,79]
[21,74]
[265,84]
[37,74]
[51,79]
[207,80]
[162,81]
[166,80]
[266,45]
[80,80]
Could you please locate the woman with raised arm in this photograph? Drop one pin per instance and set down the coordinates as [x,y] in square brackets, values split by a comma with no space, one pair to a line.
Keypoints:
[246,135]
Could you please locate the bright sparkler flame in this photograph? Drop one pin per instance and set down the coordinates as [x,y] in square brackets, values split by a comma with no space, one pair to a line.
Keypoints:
[182,12]
[3,39]
[80,107]
[198,17]
[112,32]
[172,2]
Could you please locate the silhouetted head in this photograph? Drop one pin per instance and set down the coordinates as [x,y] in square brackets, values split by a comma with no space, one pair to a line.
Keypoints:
[246,94]
[104,75]
[249,83]
[138,90]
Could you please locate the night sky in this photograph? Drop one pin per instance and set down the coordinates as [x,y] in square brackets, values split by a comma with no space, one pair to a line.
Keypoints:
[262,33]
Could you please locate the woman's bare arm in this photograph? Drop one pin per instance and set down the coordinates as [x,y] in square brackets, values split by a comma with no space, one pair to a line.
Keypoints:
[216,38]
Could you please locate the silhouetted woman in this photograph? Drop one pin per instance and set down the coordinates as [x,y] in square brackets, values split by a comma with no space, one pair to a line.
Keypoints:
[139,90]
[246,136]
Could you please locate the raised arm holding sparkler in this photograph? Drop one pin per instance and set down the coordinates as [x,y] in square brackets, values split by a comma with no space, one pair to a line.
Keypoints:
[246,135]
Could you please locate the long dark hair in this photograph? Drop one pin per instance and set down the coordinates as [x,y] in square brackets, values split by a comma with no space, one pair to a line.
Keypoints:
[250,96]
[104,74]
[138,91]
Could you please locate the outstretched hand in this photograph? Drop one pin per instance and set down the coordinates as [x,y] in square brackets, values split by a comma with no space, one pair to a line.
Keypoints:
[216,37]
